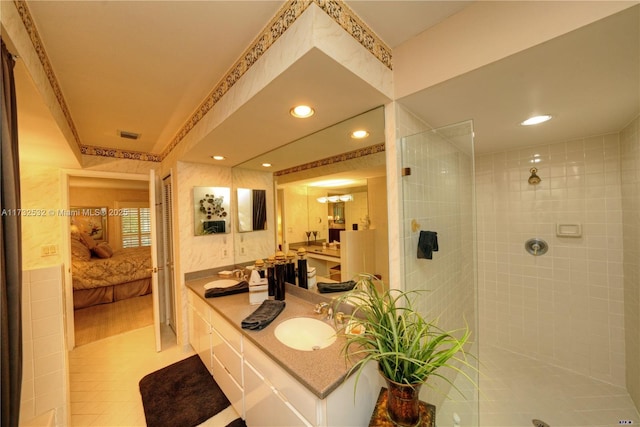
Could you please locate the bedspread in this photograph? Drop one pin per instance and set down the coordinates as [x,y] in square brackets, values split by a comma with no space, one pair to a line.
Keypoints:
[124,266]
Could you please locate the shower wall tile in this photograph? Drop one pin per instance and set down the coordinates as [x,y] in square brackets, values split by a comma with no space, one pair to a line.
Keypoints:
[438,196]
[45,365]
[535,305]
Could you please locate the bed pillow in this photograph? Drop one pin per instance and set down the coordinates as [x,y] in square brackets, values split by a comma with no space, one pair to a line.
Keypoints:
[103,250]
[75,233]
[80,251]
[87,240]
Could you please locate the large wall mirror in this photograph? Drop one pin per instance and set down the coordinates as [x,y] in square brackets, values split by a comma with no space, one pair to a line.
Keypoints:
[328,182]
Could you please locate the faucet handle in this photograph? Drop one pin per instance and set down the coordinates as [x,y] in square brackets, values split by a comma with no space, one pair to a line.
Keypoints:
[321,307]
[340,318]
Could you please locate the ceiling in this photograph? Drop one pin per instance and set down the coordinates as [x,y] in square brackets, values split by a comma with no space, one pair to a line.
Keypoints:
[136,66]
[587,79]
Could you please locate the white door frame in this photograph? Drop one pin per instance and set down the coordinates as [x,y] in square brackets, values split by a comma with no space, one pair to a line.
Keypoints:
[65,243]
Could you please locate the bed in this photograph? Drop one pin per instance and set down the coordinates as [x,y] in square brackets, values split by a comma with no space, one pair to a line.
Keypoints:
[102,275]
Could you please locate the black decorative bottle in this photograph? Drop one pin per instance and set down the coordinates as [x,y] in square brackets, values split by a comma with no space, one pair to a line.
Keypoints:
[280,270]
[290,276]
[302,268]
[271,277]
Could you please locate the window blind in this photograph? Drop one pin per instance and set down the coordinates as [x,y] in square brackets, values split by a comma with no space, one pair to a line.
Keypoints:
[136,227]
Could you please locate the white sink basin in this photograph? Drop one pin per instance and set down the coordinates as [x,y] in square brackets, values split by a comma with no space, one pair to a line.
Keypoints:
[305,333]
[222,283]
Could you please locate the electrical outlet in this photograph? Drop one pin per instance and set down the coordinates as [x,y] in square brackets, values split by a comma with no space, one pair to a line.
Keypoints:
[48,250]
[242,251]
[224,253]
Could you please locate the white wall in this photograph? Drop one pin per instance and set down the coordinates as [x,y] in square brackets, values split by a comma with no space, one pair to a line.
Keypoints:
[487,31]
[564,307]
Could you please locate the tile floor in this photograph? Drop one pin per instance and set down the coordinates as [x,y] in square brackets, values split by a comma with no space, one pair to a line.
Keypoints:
[104,378]
[516,389]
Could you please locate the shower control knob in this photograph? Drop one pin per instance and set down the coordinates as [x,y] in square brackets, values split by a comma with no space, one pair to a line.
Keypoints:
[536,247]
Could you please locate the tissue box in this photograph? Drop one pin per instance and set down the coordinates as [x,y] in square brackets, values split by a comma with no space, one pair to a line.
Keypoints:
[258,291]
[311,278]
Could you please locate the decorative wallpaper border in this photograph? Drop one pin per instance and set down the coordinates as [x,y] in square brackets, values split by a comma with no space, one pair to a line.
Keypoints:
[352,24]
[350,155]
[90,150]
[283,19]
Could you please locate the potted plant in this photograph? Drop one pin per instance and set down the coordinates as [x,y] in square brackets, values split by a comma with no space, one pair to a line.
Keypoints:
[385,328]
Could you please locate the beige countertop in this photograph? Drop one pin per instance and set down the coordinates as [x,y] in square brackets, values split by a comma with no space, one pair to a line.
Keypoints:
[314,249]
[321,371]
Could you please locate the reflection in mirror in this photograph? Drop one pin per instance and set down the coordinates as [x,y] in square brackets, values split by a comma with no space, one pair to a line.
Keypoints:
[252,209]
[308,170]
[211,210]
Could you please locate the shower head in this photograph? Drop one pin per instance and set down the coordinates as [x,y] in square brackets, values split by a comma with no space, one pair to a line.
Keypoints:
[534,179]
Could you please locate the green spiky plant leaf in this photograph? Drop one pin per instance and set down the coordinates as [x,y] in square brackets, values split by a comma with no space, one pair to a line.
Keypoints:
[407,348]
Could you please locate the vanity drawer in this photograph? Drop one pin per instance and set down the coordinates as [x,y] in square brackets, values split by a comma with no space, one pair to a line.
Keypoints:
[228,332]
[200,306]
[229,358]
[229,386]
[265,406]
[288,388]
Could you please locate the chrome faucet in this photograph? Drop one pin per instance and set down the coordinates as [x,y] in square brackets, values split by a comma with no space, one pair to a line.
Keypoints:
[324,308]
[239,274]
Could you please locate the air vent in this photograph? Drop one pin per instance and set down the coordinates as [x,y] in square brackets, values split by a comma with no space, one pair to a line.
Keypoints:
[128,135]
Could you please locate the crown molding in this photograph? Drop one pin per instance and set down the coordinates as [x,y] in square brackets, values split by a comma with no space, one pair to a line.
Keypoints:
[355,154]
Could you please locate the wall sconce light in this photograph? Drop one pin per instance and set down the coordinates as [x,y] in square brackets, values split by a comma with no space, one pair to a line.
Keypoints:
[334,199]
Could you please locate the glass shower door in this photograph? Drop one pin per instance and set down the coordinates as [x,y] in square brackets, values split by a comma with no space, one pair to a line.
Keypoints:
[438,197]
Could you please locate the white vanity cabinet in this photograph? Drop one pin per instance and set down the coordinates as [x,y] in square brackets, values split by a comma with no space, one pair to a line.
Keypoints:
[227,361]
[273,397]
[200,330]
[219,347]
[261,390]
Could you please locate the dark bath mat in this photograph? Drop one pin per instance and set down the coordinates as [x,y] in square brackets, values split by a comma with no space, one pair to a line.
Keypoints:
[237,423]
[183,394]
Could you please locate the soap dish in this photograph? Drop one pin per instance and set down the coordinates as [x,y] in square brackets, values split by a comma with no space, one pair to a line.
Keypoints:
[354,328]
[225,273]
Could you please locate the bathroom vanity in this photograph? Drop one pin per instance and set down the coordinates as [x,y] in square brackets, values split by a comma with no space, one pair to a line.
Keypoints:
[267,382]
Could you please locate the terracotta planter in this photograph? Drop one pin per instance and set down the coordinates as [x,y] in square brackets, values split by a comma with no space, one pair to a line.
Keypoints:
[403,403]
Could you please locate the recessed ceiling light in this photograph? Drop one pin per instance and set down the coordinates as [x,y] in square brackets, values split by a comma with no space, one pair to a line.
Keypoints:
[266,165]
[302,111]
[536,120]
[217,157]
[359,134]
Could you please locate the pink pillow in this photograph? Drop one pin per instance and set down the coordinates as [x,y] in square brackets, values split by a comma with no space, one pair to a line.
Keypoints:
[103,250]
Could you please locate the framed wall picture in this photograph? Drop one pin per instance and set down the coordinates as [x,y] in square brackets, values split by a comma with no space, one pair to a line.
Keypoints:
[92,221]
[212,210]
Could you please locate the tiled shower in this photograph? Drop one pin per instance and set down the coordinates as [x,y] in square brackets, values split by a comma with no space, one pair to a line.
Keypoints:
[576,307]
[559,334]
